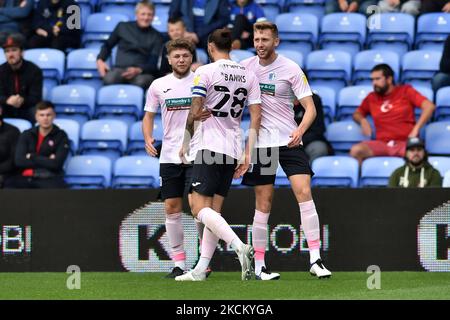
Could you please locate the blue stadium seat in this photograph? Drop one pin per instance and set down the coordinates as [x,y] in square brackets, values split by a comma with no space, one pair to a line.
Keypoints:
[366,60]
[202,56]
[20,124]
[343,135]
[428,93]
[329,68]
[51,61]
[375,172]
[437,138]
[442,164]
[295,56]
[298,32]
[239,55]
[126,7]
[158,130]
[161,18]
[120,101]
[271,8]
[136,142]
[86,8]
[136,172]
[2,59]
[328,97]
[315,7]
[106,137]
[391,31]
[88,172]
[99,26]
[343,31]
[442,111]
[432,30]
[72,128]
[82,68]
[419,67]
[281,178]
[74,101]
[335,171]
[350,99]
[446,182]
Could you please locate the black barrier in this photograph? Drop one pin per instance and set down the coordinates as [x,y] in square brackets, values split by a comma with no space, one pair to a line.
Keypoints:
[121,230]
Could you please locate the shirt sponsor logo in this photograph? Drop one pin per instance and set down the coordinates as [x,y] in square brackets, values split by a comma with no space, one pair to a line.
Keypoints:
[268,89]
[178,104]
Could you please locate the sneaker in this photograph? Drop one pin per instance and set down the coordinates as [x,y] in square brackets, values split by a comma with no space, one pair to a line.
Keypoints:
[319,270]
[267,275]
[177,271]
[208,271]
[246,255]
[192,275]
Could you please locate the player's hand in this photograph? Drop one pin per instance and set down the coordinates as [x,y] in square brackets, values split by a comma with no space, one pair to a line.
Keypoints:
[195,66]
[366,128]
[150,148]
[205,115]
[414,133]
[242,168]
[296,139]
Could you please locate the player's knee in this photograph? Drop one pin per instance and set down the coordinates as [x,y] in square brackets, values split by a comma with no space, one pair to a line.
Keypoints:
[304,194]
[172,208]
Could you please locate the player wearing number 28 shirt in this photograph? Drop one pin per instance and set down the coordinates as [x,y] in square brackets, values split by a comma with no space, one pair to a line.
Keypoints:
[224,88]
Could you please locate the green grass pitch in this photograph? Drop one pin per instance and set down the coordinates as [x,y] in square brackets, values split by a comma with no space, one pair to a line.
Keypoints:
[225,286]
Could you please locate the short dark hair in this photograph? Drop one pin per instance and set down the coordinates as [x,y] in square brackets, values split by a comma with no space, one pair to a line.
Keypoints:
[385,68]
[221,38]
[180,44]
[43,105]
[173,20]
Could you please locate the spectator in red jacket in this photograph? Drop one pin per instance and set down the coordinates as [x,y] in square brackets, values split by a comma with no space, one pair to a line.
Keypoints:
[392,109]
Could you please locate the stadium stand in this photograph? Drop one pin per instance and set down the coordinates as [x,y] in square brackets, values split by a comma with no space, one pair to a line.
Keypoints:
[419,66]
[432,30]
[443,104]
[437,138]
[343,135]
[239,55]
[375,172]
[136,172]
[335,171]
[88,172]
[82,68]
[349,100]
[367,59]
[20,124]
[98,28]
[74,101]
[72,128]
[442,164]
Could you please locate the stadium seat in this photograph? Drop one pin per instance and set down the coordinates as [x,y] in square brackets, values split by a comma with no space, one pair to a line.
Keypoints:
[239,55]
[329,68]
[161,18]
[88,172]
[350,99]
[298,32]
[126,7]
[74,101]
[343,135]
[419,67]
[136,172]
[120,101]
[432,30]
[106,137]
[51,61]
[295,56]
[437,138]
[2,59]
[366,60]
[446,182]
[72,128]
[442,164]
[343,31]
[20,124]
[391,31]
[428,93]
[136,144]
[82,68]
[314,7]
[328,97]
[375,172]
[99,26]
[202,56]
[271,8]
[86,8]
[335,171]
[281,178]
[442,111]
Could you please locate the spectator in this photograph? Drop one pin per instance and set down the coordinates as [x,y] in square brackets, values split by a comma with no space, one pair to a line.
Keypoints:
[176,30]
[244,13]
[314,141]
[8,139]
[139,48]
[201,17]
[417,171]
[435,6]
[14,15]
[411,7]
[360,6]
[392,110]
[50,26]
[41,153]
[442,78]
[20,81]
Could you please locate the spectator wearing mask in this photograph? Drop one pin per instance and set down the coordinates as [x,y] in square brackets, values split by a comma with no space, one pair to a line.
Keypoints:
[41,153]
[417,171]
[8,139]
[20,81]
[244,13]
[442,78]
[139,47]
[50,26]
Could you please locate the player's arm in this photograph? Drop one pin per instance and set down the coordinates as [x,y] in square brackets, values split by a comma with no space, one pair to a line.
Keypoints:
[307,103]
[195,114]
[147,131]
